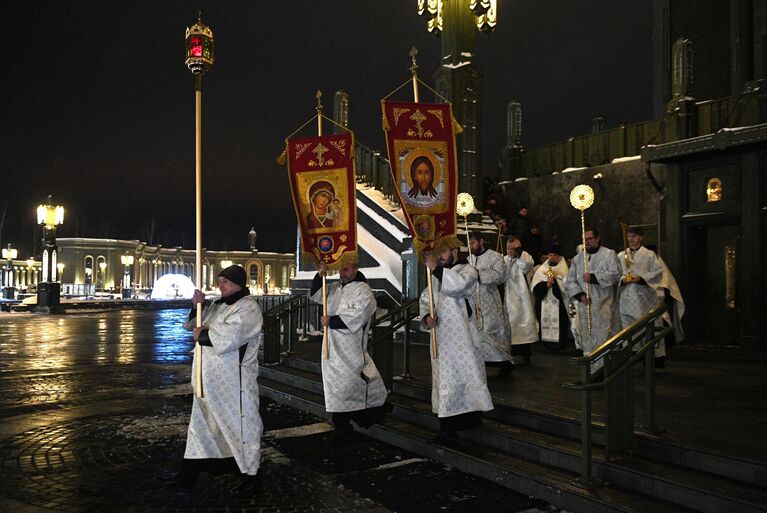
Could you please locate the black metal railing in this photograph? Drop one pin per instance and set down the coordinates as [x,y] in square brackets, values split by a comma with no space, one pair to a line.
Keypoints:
[609,367]
[381,344]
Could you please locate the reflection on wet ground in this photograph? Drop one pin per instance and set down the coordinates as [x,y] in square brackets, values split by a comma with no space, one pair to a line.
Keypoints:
[104,338]
[66,360]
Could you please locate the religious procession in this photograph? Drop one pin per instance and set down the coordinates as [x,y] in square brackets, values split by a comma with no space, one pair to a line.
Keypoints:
[482,309]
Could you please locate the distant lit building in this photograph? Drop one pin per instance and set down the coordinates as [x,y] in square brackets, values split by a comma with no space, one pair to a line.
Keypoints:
[93,265]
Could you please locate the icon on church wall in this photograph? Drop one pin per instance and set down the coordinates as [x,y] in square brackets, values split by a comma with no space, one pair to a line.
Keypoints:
[714,190]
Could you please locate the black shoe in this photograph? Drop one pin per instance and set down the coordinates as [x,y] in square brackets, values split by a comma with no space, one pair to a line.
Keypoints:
[660,362]
[185,479]
[247,484]
[449,438]
[342,435]
[506,369]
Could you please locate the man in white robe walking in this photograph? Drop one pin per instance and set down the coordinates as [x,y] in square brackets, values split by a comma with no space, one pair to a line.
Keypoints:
[601,280]
[225,427]
[638,292]
[494,337]
[459,391]
[352,385]
[519,300]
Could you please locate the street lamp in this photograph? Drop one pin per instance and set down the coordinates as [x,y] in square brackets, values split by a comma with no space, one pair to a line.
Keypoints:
[127,261]
[9,254]
[49,216]
[485,14]
[102,266]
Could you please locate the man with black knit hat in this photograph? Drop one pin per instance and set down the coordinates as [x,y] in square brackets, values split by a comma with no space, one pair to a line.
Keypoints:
[225,427]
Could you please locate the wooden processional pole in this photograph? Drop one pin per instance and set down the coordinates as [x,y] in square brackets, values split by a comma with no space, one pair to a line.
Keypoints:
[325,340]
[198,222]
[433,331]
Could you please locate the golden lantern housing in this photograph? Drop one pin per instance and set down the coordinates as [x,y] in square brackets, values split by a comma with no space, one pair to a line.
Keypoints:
[199,48]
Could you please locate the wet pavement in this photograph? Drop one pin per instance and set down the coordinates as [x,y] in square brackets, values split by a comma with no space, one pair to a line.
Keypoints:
[93,416]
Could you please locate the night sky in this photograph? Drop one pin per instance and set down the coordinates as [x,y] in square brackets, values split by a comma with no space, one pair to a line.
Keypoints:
[98,106]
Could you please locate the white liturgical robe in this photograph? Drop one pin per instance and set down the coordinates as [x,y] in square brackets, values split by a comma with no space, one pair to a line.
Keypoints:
[635,300]
[494,336]
[350,379]
[459,383]
[603,265]
[552,315]
[225,422]
[519,299]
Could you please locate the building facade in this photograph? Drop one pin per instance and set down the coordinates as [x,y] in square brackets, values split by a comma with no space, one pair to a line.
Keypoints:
[93,265]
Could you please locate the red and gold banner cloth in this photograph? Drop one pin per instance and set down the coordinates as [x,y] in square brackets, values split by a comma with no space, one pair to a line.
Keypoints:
[420,138]
[322,182]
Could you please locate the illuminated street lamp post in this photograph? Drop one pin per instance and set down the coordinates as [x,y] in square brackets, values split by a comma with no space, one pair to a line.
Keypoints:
[49,289]
[127,261]
[456,22]
[199,59]
[9,254]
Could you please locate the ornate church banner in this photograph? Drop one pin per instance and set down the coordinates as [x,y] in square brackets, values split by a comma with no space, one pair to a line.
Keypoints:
[420,138]
[322,182]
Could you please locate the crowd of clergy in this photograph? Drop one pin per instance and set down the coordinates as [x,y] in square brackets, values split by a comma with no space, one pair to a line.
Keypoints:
[485,310]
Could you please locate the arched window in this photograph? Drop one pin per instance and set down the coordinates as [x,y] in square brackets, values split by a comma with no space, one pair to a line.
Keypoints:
[88,265]
[268,275]
[101,270]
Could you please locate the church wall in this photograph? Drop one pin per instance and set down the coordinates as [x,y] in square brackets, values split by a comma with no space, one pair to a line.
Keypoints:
[623,193]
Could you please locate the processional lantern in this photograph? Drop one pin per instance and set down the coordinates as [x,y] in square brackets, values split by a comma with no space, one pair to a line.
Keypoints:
[199,47]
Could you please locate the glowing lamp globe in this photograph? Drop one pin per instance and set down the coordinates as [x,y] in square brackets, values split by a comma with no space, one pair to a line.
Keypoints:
[464,204]
[199,48]
[50,216]
[10,253]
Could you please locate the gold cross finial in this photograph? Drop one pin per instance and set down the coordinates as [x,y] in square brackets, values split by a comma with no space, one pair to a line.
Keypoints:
[319,100]
[414,66]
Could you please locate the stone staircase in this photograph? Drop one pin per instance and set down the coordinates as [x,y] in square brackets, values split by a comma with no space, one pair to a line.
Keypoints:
[539,454]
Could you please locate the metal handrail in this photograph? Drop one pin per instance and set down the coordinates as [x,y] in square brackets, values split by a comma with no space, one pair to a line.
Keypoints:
[612,380]
[397,318]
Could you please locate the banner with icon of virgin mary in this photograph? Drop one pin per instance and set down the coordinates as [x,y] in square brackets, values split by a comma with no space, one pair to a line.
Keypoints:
[420,138]
[322,183]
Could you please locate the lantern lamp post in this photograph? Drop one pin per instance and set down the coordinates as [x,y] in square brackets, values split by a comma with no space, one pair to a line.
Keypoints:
[199,59]
[127,261]
[30,273]
[49,216]
[9,254]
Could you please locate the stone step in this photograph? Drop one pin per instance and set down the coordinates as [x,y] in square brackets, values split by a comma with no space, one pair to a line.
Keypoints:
[650,447]
[536,479]
[697,490]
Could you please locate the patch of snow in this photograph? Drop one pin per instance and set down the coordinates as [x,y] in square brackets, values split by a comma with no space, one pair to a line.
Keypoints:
[625,159]
[459,65]
[571,169]
[157,427]
[299,431]
[381,221]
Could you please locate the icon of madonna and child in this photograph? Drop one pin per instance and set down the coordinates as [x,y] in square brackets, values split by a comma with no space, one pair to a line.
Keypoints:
[421,183]
[326,211]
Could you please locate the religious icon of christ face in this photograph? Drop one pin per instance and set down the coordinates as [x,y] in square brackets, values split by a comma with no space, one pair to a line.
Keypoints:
[422,174]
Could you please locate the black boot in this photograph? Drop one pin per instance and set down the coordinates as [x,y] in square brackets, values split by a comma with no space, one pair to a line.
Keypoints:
[506,370]
[247,484]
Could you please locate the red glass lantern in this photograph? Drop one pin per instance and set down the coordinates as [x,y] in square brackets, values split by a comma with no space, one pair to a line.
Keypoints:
[199,47]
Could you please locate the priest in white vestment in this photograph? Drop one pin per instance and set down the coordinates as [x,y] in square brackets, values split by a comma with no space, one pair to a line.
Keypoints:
[642,286]
[601,280]
[548,287]
[225,426]
[459,385]
[494,336]
[352,385]
[519,300]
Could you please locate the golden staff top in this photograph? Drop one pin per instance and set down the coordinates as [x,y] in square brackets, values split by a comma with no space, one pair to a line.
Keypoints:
[582,197]
[464,207]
